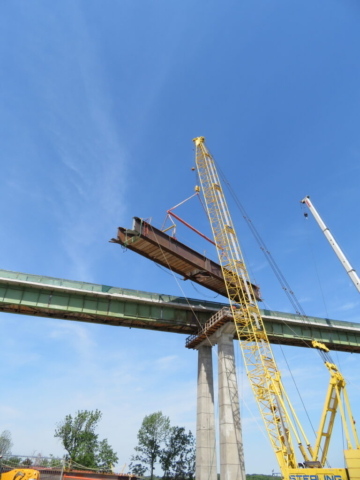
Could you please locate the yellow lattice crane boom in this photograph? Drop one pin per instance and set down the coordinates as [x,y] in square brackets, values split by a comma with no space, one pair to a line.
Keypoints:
[281,422]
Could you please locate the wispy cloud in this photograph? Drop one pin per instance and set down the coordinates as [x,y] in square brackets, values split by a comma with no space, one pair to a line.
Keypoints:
[89,153]
[259,266]
[165,363]
[75,334]
[347,306]
[8,412]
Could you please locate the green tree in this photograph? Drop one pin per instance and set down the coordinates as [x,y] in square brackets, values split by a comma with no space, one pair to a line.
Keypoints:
[187,458]
[42,462]
[13,461]
[55,462]
[177,458]
[138,469]
[78,436]
[106,457]
[5,443]
[50,461]
[152,434]
[259,476]
[81,442]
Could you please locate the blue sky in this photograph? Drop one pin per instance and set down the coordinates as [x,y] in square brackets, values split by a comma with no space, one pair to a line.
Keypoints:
[99,104]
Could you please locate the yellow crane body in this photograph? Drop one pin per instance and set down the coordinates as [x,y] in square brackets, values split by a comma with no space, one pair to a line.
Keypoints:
[316,474]
[352,458]
[276,410]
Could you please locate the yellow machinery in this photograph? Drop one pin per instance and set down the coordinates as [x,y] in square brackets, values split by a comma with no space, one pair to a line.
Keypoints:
[282,424]
[21,474]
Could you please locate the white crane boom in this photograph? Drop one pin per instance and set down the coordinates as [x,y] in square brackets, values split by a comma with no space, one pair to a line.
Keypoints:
[344,261]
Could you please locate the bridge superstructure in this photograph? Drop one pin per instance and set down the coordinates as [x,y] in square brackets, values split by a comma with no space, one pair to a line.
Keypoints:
[49,297]
[206,324]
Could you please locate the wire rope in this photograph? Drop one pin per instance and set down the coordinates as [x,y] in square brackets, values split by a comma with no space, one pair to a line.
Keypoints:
[273,264]
[282,280]
[201,293]
[297,389]
[164,270]
[317,271]
[193,311]
[240,391]
[325,356]
[278,273]
[186,298]
[315,265]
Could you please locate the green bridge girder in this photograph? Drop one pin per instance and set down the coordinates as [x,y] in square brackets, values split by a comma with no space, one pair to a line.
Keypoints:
[86,302]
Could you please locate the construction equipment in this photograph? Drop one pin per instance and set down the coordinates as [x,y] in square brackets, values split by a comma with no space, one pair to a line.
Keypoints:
[17,473]
[282,424]
[344,261]
[20,474]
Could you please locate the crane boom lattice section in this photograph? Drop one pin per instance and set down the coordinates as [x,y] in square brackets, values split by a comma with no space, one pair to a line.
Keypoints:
[258,357]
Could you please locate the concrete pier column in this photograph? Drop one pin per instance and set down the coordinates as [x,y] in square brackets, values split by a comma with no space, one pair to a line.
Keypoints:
[232,465]
[206,468]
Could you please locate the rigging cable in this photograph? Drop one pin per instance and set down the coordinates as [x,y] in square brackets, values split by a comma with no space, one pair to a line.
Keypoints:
[276,269]
[314,261]
[213,458]
[241,391]
[307,414]
[200,293]
[302,207]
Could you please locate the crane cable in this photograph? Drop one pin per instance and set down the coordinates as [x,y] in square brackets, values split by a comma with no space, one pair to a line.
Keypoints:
[213,456]
[207,337]
[276,269]
[313,259]
[302,207]
[302,401]
[323,298]
[325,356]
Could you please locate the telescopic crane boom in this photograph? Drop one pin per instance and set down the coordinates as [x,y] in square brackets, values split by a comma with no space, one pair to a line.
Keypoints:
[279,417]
[340,254]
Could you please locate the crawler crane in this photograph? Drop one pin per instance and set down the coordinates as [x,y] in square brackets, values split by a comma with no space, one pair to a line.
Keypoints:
[282,424]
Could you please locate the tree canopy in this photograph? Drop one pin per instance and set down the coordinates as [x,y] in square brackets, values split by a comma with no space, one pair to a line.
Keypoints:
[82,444]
[172,447]
[177,458]
[153,432]
[5,443]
